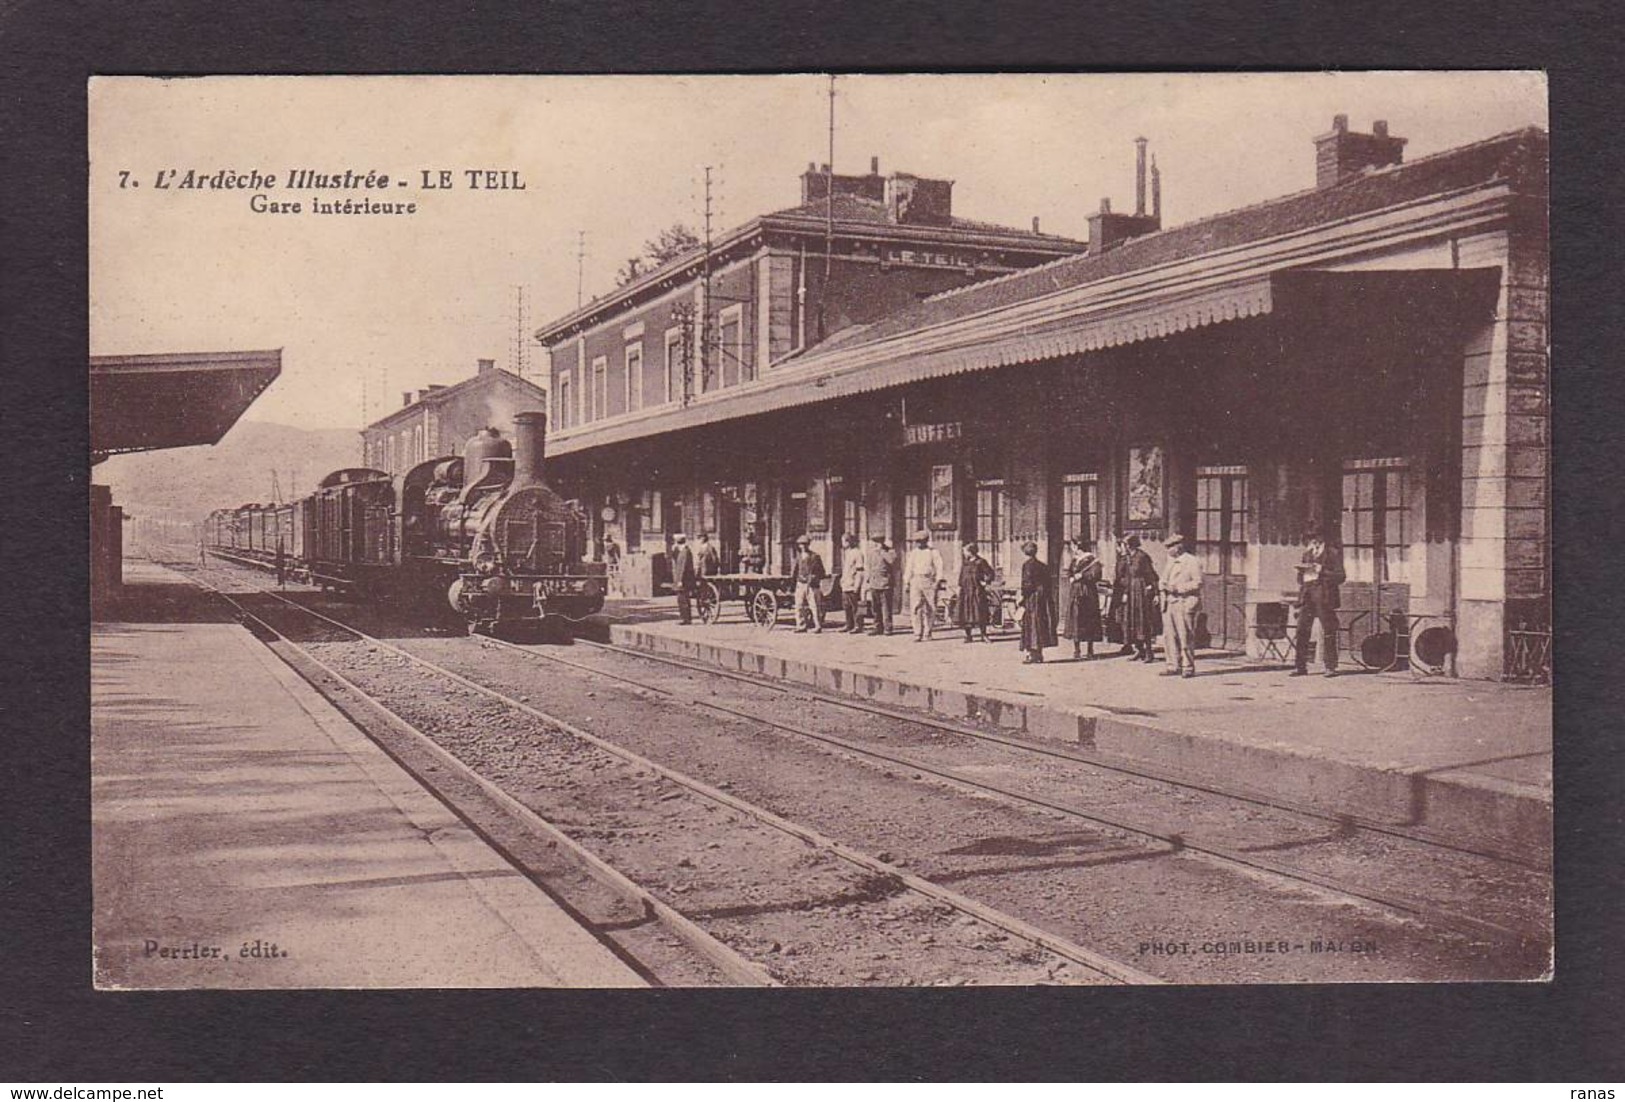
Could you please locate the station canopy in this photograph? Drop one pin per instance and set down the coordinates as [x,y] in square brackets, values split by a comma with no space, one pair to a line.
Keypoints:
[172,399]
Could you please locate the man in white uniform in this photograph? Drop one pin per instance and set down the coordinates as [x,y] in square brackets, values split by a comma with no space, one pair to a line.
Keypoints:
[1181,600]
[922,572]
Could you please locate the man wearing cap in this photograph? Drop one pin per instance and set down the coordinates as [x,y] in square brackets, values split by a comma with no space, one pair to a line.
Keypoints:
[852,595]
[1320,573]
[1181,601]
[922,572]
[879,567]
[683,579]
[809,572]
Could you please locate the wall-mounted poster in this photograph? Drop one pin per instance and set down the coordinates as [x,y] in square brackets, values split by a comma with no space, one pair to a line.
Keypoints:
[942,496]
[817,506]
[1145,493]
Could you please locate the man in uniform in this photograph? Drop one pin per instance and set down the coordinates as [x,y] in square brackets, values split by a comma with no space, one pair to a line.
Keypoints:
[1319,575]
[683,578]
[879,566]
[1181,600]
[921,574]
[809,574]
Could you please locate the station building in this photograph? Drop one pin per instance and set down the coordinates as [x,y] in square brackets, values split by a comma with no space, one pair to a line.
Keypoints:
[438,420]
[1370,355]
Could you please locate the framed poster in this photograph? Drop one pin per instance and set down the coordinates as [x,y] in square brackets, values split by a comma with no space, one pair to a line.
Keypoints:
[1146,488]
[943,505]
[818,506]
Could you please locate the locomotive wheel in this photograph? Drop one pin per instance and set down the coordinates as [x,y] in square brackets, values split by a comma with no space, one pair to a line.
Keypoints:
[708,603]
[764,609]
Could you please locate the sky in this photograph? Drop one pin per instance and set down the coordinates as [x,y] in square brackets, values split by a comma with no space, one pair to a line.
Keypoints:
[365,307]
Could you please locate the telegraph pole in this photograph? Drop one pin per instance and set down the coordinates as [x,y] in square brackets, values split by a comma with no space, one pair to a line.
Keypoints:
[519,332]
[829,214]
[581,256]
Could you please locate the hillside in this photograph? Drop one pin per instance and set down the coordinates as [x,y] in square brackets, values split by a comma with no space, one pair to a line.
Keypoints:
[186,483]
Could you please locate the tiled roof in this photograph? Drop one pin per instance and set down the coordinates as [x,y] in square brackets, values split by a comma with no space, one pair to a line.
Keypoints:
[853,211]
[1518,157]
[440,395]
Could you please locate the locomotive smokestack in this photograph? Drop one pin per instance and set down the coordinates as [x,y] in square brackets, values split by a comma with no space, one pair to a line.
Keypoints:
[529,447]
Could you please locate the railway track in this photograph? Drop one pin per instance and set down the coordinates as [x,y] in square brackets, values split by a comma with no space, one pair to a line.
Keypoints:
[1163,834]
[1155,838]
[878,897]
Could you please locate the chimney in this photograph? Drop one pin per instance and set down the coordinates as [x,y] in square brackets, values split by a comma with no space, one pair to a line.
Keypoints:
[1156,192]
[486,366]
[1107,230]
[1139,177]
[1035,225]
[529,448]
[1344,153]
[874,166]
[406,397]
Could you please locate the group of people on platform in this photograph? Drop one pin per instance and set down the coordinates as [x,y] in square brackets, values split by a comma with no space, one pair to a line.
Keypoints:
[1142,605]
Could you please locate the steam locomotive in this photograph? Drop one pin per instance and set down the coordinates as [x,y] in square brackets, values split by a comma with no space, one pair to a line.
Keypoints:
[482,529]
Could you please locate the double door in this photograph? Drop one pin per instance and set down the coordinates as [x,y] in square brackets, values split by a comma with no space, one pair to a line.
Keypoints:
[1223,516]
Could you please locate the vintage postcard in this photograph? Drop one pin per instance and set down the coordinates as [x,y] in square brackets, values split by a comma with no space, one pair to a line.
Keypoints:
[820,530]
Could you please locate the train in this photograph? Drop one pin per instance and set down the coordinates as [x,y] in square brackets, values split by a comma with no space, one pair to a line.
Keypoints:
[480,536]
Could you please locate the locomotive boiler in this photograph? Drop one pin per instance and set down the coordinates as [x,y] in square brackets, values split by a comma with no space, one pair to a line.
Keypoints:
[481,531]
[505,544]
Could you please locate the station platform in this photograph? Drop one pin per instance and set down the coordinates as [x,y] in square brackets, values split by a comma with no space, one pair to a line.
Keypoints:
[246,835]
[1469,760]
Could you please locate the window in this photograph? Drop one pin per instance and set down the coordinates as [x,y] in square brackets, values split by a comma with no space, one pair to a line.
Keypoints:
[851,516]
[1080,507]
[564,400]
[600,387]
[1222,509]
[990,519]
[634,376]
[731,346]
[653,518]
[1374,521]
[913,514]
[674,364]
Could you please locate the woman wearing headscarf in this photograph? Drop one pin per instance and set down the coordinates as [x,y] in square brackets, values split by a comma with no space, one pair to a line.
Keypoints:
[1038,609]
[1083,574]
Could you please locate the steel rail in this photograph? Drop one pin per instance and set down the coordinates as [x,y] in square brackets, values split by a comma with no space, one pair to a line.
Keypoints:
[724,958]
[1062,947]
[1340,819]
[1394,902]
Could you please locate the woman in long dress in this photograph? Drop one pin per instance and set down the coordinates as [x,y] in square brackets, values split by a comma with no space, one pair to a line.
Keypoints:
[1038,607]
[1083,602]
[975,573]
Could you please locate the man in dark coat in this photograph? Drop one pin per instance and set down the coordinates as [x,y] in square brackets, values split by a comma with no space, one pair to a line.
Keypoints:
[809,574]
[1319,574]
[879,568]
[683,577]
[975,573]
[1141,621]
[1038,610]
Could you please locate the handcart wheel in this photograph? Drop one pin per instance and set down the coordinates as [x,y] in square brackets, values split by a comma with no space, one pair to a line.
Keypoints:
[764,608]
[1433,645]
[708,603]
[1379,651]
